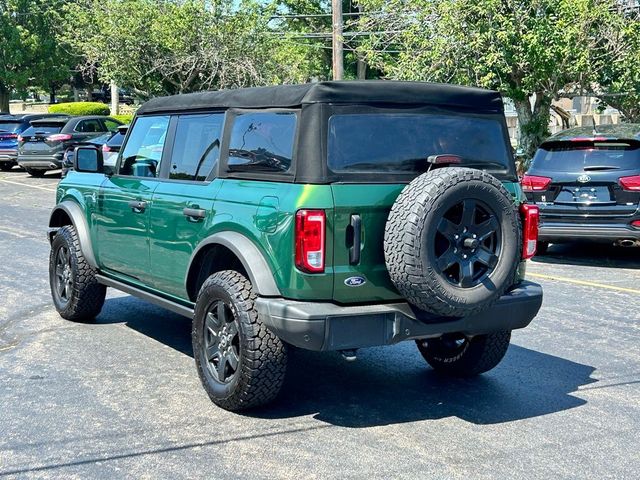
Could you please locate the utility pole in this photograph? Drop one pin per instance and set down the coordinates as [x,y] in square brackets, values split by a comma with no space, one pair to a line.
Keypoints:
[115,98]
[338,60]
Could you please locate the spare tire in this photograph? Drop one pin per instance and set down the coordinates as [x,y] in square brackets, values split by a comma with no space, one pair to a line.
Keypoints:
[452,242]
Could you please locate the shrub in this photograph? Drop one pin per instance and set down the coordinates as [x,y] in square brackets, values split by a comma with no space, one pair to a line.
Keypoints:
[123,118]
[80,108]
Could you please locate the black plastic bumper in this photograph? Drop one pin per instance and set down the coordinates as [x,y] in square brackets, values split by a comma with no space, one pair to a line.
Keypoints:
[564,232]
[327,326]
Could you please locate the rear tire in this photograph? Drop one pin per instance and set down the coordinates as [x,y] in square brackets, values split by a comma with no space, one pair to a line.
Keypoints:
[241,364]
[76,293]
[459,356]
[36,173]
[5,167]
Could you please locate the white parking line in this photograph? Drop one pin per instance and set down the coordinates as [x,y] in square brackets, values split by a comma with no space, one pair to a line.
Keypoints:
[39,187]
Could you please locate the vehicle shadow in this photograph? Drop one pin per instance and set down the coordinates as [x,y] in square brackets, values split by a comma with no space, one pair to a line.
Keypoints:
[592,255]
[388,385]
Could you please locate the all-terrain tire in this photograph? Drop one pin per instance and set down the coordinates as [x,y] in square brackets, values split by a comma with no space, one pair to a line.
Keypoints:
[84,297]
[410,241]
[474,356]
[261,367]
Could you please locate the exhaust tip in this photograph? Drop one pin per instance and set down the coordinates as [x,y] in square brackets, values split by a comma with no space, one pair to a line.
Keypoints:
[627,242]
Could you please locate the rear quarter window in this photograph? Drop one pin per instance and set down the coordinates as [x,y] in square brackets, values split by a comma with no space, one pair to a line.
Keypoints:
[262,142]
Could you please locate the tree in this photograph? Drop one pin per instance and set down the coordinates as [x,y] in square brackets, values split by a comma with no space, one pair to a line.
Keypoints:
[532,51]
[165,47]
[29,52]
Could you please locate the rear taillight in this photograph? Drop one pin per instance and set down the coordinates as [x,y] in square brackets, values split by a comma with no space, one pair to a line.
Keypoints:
[630,183]
[530,218]
[106,148]
[635,223]
[532,183]
[20,139]
[58,137]
[310,240]
[9,136]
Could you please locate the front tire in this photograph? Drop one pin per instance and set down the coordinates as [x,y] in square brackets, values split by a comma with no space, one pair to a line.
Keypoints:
[76,293]
[241,364]
[459,356]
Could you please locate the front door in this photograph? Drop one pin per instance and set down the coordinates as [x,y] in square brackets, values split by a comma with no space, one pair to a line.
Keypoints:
[124,202]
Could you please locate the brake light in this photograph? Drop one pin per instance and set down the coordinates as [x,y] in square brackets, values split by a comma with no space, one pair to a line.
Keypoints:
[635,223]
[58,137]
[9,136]
[530,218]
[630,183]
[20,139]
[310,240]
[532,183]
[106,148]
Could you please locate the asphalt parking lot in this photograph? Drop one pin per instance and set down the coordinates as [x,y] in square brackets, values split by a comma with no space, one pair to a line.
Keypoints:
[121,398]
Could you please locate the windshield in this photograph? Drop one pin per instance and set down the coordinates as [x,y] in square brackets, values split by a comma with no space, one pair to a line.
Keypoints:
[11,127]
[572,158]
[401,143]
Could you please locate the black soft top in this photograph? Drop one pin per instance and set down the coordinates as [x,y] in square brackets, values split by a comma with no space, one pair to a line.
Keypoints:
[343,92]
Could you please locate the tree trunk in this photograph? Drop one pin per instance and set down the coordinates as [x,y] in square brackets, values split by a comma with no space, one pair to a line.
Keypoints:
[4,98]
[361,69]
[76,94]
[533,123]
[89,91]
[115,99]
[52,94]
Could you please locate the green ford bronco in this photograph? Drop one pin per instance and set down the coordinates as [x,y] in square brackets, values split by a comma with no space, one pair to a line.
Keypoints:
[327,216]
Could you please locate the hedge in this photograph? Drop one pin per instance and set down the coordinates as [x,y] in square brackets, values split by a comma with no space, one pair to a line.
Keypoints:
[123,118]
[80,108]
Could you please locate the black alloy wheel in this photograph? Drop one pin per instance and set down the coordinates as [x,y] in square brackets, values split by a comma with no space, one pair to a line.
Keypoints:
[63,276]
[221,342]
[467,243]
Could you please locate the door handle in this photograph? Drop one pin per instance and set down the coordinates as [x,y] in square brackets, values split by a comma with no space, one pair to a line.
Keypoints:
[354,250]
[194,214]
[138,206]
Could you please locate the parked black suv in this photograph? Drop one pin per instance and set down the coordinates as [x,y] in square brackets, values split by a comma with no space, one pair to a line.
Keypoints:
[587,185]
[41,147]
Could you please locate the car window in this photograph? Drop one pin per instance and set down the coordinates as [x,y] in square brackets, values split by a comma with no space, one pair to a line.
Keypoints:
[42,128]
[196,149]
[262,142]
[116,140]
[11,127]
[142,153]
[111,125]
[568,157]
[401,143]
[89,126]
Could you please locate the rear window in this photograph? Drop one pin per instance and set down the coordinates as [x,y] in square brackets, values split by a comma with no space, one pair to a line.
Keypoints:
[593,156]
[116,140]
[42,128]
[11,127]
[400,143]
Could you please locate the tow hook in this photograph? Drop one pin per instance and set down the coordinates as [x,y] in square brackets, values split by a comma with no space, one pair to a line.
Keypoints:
[349,355]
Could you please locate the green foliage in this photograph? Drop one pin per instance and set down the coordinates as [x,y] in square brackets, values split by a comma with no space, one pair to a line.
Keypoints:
[123,118]
[80,108]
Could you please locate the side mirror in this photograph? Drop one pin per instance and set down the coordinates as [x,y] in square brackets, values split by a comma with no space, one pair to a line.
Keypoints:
[88,159]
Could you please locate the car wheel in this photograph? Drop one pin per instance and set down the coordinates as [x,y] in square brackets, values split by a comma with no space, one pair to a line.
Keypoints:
[5,167]
[541,248]
[452,242]
[460,356]
[76,293]
[241,364]
[35,173]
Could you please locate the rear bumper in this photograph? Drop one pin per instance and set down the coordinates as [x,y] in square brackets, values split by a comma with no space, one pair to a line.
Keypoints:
[564,232]
[8,156]
[327,326]
[37,162]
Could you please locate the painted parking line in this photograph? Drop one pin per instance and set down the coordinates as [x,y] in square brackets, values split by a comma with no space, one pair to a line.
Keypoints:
[583,283]
[39,187]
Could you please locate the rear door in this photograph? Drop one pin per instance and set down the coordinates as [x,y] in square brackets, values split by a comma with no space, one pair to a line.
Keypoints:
[574,180]
[182,204]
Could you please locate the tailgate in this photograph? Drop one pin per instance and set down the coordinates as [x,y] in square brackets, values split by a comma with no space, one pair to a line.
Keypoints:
[363,208]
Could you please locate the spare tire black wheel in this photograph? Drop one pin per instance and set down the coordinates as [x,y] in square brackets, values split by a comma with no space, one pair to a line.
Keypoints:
[452,242]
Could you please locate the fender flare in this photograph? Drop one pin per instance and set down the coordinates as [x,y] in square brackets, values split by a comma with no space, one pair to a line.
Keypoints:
[251,258]
[79,222]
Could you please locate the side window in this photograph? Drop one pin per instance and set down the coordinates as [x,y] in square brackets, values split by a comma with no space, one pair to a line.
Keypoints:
[142,152]
[89,126]
[262,142]
[111,125]
[196,148]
